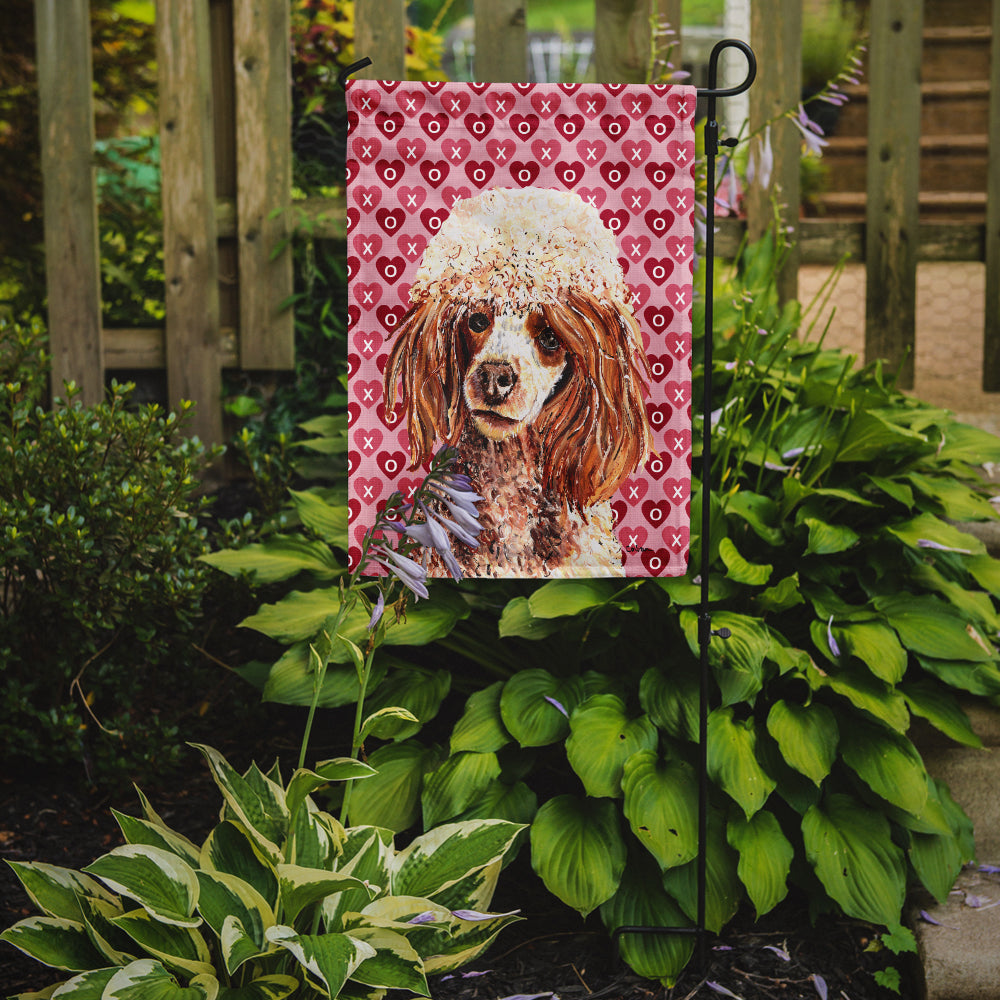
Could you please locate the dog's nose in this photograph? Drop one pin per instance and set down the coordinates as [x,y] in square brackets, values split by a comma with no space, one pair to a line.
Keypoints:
[496,380]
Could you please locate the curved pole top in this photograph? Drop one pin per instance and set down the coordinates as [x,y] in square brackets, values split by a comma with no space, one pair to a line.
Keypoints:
[713,69]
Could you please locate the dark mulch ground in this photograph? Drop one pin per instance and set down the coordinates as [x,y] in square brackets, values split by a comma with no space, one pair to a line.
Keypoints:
[550,952]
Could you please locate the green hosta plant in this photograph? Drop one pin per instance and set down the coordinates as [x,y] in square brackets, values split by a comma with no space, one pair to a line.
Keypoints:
[279,900]
[855,602]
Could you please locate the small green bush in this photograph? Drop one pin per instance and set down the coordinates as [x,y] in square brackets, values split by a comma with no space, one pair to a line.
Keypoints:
[99,578]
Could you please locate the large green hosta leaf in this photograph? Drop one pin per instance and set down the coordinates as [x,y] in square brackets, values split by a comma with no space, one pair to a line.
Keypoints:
[732,760]
[661,805]
[578,851]
[876,646]
[807,736]
[415,689]
[765,858]
[601,740]
[888,763]
[932,628]
[738,661]
[559,598]
[850,848]
[941,709]
[278,558]
[456,785]
[670,698]
[391,798]
[481,727]
[535,706]
[642,902]
[723,889]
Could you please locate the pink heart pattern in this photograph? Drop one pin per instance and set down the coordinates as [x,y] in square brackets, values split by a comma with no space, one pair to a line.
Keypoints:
[414,149]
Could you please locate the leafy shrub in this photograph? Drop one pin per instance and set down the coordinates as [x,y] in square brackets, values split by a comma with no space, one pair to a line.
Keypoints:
[279,899]
[99,539]
[854,602]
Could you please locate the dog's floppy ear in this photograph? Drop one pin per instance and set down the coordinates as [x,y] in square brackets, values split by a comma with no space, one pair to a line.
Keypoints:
[595,428]
[424,357]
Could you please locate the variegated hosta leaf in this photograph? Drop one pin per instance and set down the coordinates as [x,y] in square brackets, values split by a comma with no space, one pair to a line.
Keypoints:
[315,838]
[642,902]
[395,964]
[116,947]
[602,738]
[56,891]
[535,706]
[275,987]
[661,800]
[300,887]
[367,853]
[225,897]
[765,858]
[456,784]
[230,849]
[329,959]
[807,736]
[54,941]
[850,847]
[578,851]
[466,941]
[256,801]
[441,857]
[732,760]
[87,986]
[141,831]
[177,947]
[481,727]
[158,880]
[149,980]
[304,782]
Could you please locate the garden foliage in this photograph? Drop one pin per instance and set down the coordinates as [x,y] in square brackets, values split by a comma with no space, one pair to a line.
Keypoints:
[280,899]
[855,603]
[99,546]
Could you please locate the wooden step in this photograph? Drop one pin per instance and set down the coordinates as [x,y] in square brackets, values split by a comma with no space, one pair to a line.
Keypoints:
[947,162]
[956,53]
[945,104]
[956,206]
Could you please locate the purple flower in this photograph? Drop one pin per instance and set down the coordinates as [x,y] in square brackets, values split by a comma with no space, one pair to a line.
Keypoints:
[834,648]
[411,574]
[377,612]
[820,983]
[761,162]
[475,915]
[811,132]
[558,705]
[427,917]
[927,543]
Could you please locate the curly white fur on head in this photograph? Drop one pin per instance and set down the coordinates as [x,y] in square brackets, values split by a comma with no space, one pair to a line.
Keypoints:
[521,246]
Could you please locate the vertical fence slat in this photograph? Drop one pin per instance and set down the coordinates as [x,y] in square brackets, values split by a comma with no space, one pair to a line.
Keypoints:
[190,253]
[776,34]
[621,40]
[991,332]
[380,34]
[501,41]
[893,183]
[72,256]
[261,57]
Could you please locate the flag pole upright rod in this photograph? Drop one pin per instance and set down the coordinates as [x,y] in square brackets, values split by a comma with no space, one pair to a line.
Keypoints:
[705,633]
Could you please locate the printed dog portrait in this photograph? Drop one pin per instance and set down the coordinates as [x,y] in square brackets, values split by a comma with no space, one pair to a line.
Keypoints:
[520,349]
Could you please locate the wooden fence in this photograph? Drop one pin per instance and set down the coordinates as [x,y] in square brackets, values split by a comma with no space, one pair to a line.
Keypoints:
[226,161]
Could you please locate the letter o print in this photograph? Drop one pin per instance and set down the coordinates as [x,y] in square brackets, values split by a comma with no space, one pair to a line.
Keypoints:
[433,127]
[434,175]
[659,128]
[655,563]
[479,176]
[655,515]
[614,177]
[614,129]
[569,177]
[523,128]
[660,176]
[391,466]
[656,466]
[390,176]
[391,272]
[658,272]
[657,419]
[524,176]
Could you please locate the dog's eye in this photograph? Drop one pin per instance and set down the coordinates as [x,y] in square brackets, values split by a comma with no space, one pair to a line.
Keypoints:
[547,340]
[478,322]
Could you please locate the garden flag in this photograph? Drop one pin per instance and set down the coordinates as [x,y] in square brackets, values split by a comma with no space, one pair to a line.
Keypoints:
[520,260]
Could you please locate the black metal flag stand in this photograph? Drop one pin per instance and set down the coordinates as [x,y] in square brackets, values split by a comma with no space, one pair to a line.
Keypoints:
[705,631]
